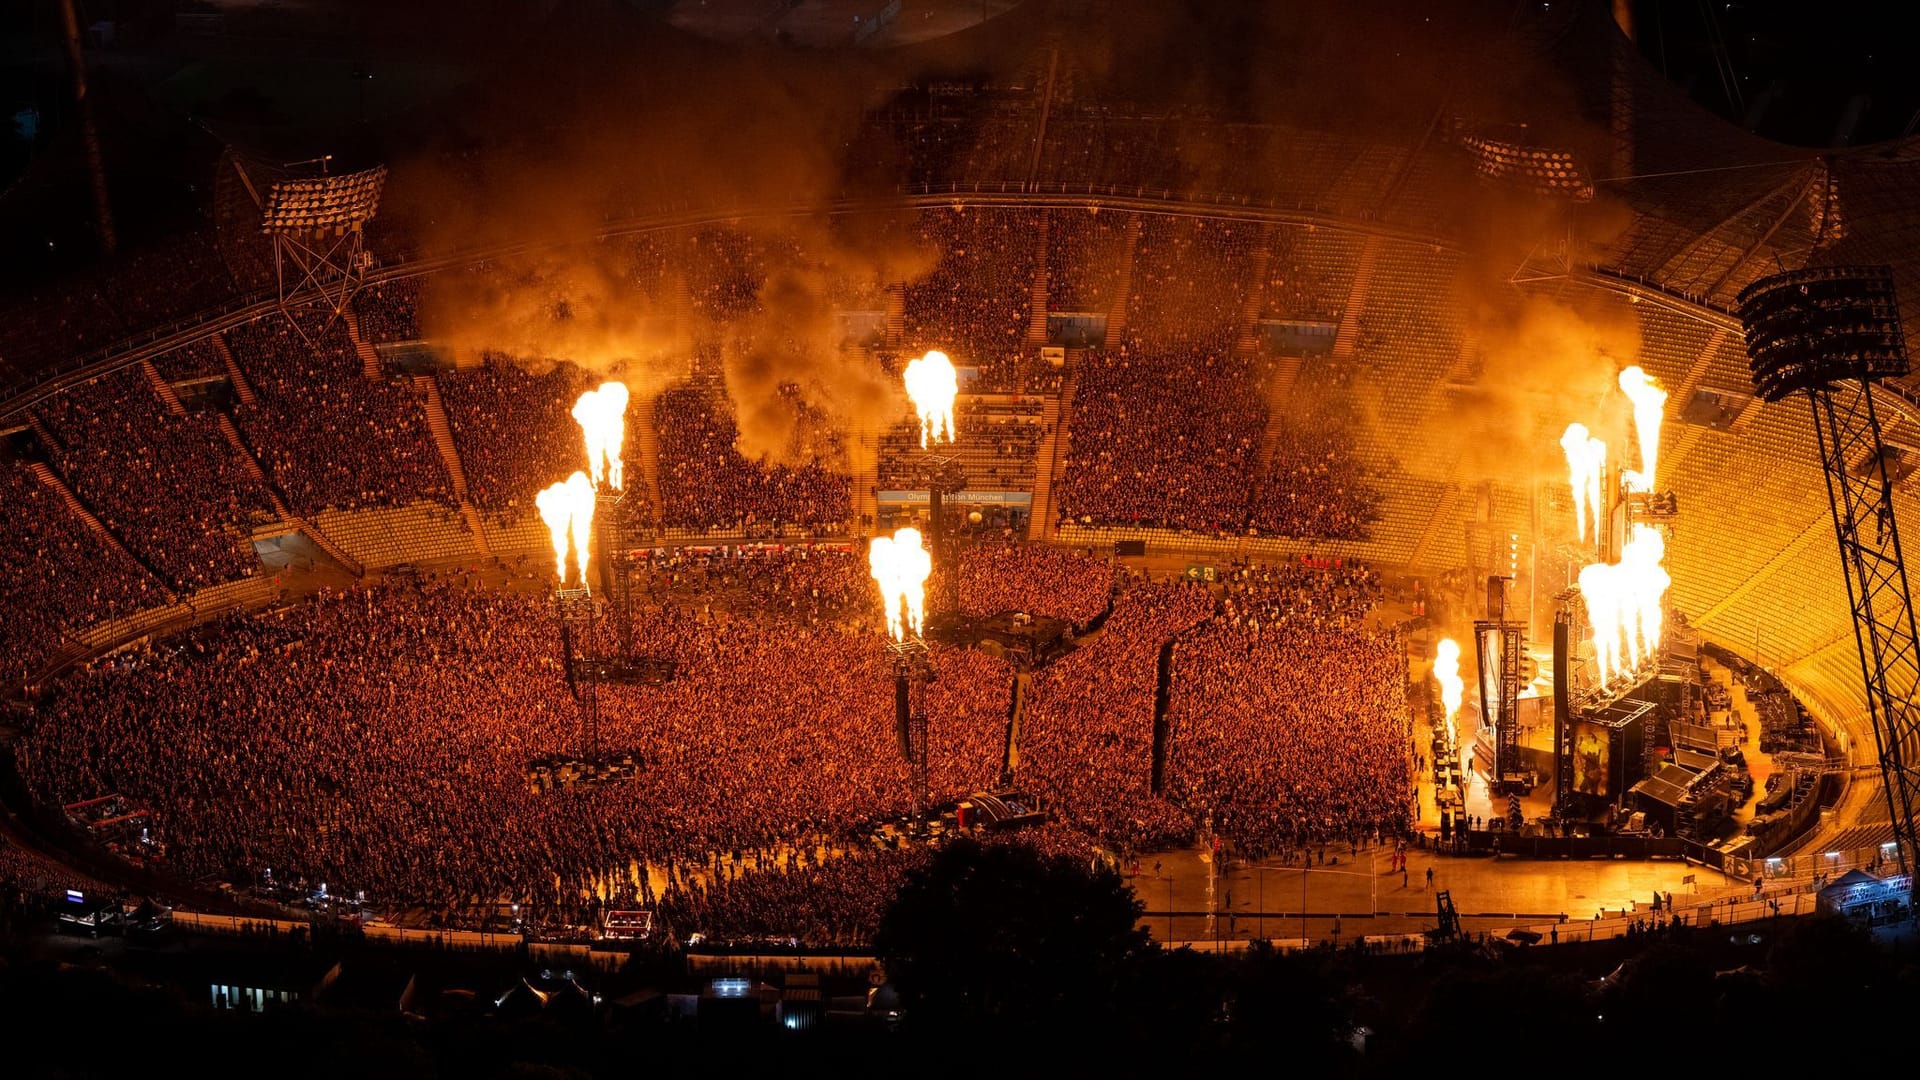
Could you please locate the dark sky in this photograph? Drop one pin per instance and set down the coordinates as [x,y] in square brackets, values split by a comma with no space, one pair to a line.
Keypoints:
[1791,70]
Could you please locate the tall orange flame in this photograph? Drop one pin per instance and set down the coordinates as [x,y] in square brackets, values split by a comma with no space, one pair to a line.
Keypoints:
[567,510]
[933,384]
[1453,689]
[602,415]
[1586,471]
[1649,401]
[901,566]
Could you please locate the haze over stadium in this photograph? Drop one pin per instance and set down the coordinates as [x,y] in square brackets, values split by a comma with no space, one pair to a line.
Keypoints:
[725,481]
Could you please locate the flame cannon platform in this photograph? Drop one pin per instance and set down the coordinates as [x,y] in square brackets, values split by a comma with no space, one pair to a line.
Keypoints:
[912,674]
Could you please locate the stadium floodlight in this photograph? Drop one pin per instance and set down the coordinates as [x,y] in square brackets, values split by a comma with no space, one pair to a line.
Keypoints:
[1538,169]
[324,204]
[319,252]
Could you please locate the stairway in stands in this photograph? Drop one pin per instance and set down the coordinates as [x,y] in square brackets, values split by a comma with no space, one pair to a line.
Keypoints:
[866,484]
[647,436]
[1246,333]
[1348,336]
[682,305]
[1123,291]
[250,465]
[369,357]
[1037,322]
[1443,514]
[896,314]
[442,430]
[42,432]
[1286,371]
[1054,418]
[162,389]
[242,389]
[53,482]
[1689,436]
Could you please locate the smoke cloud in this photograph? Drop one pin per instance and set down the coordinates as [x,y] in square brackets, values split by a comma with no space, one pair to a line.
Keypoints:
[659,122]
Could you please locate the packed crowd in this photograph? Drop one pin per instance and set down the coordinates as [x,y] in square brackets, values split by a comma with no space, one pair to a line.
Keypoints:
[1310,273]
[515,431]
[1166,439]
[1188,278]
[168,486]
[1084,253]
[976,301]
[837,900]
[809,584]
[60,577]
[390,310]
[1086,736]
[65,314]
[706,483]
[1290,735]
[1315,487]
[1035,579]
[388,730]
[327,435]
[1320,593]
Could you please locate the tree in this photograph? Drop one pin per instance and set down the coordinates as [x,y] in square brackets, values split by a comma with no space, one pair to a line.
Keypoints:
[1002,933]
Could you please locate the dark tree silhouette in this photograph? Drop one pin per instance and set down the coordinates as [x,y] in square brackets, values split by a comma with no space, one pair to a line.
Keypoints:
[1002,933]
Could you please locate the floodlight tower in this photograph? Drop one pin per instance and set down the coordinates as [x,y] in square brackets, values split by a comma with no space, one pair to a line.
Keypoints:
[316,227]
[1832,332]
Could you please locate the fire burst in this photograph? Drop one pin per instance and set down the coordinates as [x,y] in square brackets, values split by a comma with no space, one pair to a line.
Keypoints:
[567,510]
[901,567]
[933,384]
[1453,689]
[1649,401]
[1626,602]
[602,415]
[1586,470]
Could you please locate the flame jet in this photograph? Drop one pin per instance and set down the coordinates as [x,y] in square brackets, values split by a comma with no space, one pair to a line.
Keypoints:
[901,566]
[1586,471]
[1453,689]
[567,510]
[1649,401]
[933,384]
[557,513]
[602,415]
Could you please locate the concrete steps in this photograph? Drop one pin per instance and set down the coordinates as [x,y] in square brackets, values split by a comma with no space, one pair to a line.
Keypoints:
[242,389]
[162,389]
[42,432]
[369,357]
[442,429]
[647,437]
[1037,321]
[1286,371]
[1246,330]
[251,466]
[1348,335]
[1056,415]
[896,314]
[1443,512]
[1461,371]
[866,485]
[1123,290]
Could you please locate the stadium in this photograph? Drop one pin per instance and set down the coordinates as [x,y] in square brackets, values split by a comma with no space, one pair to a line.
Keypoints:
[1263,396]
